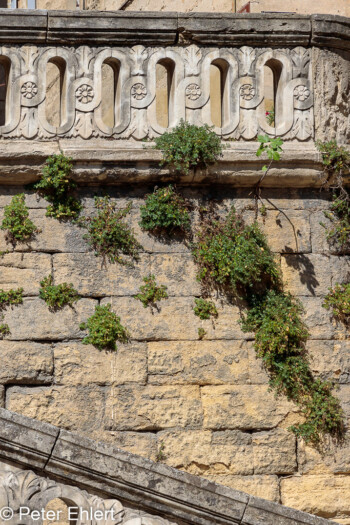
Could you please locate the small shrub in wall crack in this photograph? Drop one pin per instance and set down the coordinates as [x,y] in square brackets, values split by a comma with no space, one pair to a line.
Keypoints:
[57,187]
[336,161]
[338,300]
[10,298]
[271,146]
[104,329]
[188,146]
[108,234]
[232,254]
[57,296]
[150,293]
[205,309]
[4,330]
[164,211]
[201,333]
[16,222]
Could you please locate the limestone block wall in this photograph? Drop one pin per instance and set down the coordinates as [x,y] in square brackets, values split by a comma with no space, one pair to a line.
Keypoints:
[205,403]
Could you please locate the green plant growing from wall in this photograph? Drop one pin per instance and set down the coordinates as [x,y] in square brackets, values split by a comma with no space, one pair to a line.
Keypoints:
[4,330]
[338,300]
[57,296]
[272,147]
[165,211]
[205,309]
[233,255]
[236,257]
[188,146]
[336,161]
[270,117]
[8,298]
[108,234]
[16,222]
[57,187]
[160,454]
[201,333]
[150,292]
[104,329]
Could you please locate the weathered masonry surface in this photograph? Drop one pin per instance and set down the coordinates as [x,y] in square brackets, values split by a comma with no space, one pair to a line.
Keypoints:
[206,402]
[138,491]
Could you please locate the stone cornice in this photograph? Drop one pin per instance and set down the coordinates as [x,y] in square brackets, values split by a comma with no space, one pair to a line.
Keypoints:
[128,162]
[134,480]
[155,28]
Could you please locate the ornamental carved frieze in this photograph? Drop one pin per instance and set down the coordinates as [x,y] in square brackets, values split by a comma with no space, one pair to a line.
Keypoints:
[25,497]
[132,100]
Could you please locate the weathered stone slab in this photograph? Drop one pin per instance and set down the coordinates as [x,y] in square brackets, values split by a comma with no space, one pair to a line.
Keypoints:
[174,320]
[26,363]
[23,26]
[77,364]
[198,501]
[33,320]
[92,277]
[153,407]
[203,453]
[261,511]
[325,495]
[244,407]
[24,270]
[112,28]
[330,359]
[262,486]
[198,362]
[274,452]
[74,408]
[307,274]
[24,440]
[284,234]
[318,319]
[178,272]
[213,28]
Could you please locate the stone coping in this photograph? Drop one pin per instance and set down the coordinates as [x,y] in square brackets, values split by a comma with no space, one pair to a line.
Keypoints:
[134,480]
[124,162]
[167,28]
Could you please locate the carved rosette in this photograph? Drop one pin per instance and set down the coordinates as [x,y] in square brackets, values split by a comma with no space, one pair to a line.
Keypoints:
[247,92]
[193,91]
[84,94]
[301,93]
[138,91]
[29,90]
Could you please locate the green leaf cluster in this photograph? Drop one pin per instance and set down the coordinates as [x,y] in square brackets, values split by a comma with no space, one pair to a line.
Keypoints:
[336,160]
[104,329]
[57,296]
[164,211]
[271,146]
[16,222]
[205,309]
[188,146]
[338,300]
[236,256]
[108,233]
[10,297]
[150,293]
[57,187]
[230,253]
[280,336]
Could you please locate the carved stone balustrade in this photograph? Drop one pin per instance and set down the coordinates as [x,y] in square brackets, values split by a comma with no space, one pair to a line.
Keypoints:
[245,47]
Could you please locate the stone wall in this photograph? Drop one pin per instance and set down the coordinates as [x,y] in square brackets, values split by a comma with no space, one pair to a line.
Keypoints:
[205,401]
